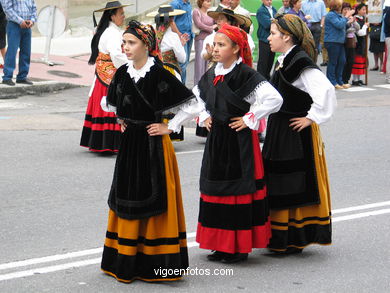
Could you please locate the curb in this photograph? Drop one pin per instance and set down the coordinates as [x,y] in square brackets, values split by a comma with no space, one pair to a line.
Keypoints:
[38,88]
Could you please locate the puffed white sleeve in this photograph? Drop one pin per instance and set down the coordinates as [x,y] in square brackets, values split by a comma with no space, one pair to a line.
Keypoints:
[264,100]
[322,92]
[114,48]
[363,31]
[178,48]
[190,110]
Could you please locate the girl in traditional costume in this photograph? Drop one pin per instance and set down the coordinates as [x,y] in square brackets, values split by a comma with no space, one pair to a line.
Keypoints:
[146,234]
[101,132]
[293,152]
[232,97]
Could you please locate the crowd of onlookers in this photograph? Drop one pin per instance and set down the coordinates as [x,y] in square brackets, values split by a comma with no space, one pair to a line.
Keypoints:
[340,32]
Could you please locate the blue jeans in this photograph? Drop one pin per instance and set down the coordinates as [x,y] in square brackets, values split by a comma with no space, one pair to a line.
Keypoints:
[336,62]
[183,66]
[18,38]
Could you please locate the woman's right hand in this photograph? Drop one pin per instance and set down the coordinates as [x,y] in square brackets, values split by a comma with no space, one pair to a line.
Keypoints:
[207,123]
[209,49]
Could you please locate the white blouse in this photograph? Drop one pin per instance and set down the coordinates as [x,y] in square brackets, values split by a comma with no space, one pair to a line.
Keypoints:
[171,41]
[317,85]
[264,100]
[111,43]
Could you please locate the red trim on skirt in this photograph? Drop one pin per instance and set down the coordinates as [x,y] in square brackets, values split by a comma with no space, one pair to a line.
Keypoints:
[233,241]
[359,65]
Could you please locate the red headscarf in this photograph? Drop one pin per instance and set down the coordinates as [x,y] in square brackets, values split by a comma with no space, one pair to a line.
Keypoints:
[240,37]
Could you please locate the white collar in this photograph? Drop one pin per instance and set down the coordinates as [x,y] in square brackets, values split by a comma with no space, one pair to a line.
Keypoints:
[140,73]
[219,70]
[282,56]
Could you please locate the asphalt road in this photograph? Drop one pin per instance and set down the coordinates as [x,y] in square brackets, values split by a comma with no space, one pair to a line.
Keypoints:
[53,208]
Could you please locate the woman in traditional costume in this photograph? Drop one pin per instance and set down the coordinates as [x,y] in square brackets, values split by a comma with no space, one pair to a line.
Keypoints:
[233,97]
[222,16]
[101,132]
[293,152]
[146,234]
[171,47]
[360,65]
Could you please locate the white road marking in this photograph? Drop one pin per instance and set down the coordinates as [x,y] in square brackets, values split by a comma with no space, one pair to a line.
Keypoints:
[385,86]
[49,269]
[358,89]
[360,215]
[362,207]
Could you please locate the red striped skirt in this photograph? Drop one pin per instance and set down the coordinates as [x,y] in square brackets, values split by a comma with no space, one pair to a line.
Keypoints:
[238,223]
[101,132]
[359,65]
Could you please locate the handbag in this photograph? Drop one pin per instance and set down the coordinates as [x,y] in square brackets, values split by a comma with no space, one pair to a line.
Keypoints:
[375,33]
[195,29]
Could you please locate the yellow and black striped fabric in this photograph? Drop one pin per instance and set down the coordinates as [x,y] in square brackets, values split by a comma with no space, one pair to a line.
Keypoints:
[300,227]
[136,249]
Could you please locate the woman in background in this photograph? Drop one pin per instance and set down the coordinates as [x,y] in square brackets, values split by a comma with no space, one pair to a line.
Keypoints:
[101,132]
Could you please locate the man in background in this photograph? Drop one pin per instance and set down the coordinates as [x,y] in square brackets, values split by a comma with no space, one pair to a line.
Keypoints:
[21,16]
[183,26]
[235,5]
[317,10]
[266,57]
[3,25]
[285,8]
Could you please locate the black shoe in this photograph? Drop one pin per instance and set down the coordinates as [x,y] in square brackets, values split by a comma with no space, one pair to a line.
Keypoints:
[289,250]
[25,81]
[361,82]
[8,82]
[324,64]
[234,257]
[355,83]
[216,256]
[374,68]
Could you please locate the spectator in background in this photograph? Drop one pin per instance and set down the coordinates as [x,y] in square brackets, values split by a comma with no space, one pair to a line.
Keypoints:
[3,25]
[360,65]
[21,16]
[350,44]
[266,57]
[296,10]
[224,4]
[376,46]
[205,24]
[183,26]
[285,8]
[317,10]
[386,29]
[235,5]
[335,32]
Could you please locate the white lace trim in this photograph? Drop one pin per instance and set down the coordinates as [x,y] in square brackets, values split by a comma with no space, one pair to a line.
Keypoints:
[139,73]
[219,70]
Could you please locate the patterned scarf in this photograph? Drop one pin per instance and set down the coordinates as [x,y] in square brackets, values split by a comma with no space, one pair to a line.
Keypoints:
[292,25]
[240,37]
[147,34]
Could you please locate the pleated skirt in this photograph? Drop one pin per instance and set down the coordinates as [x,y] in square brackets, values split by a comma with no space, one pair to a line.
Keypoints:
[101,132]
[138,249]
[300,227]
[359,66]
[238,223]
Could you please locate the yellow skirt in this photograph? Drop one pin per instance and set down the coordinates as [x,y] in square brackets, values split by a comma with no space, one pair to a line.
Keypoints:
[300,227]
[150,249]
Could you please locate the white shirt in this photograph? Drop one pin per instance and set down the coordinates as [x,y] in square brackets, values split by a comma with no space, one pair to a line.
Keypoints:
[322,92]
[171,41]
[111,43]
[271,12]
[264,100]
[242,11]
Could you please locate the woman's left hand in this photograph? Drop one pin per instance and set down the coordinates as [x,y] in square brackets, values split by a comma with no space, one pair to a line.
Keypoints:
[158,129]
[300,123]
[238,123]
